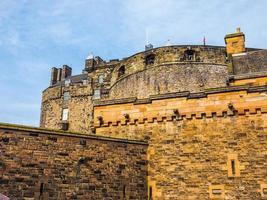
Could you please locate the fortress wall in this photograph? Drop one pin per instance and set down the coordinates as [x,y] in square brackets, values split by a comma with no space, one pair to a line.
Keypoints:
[169,78]
[43,164]
[191,149]
[167,54]
[80,107]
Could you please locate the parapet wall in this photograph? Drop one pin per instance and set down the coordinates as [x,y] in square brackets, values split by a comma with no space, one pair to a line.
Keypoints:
[45,164]
[208,145]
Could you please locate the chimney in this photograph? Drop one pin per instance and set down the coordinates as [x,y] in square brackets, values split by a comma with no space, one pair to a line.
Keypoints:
[235,42]
[90,63]
[66,72]
[54,72]
[59,72]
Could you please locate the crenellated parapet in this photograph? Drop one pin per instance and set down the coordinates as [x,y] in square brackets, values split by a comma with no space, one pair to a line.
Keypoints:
[215,103]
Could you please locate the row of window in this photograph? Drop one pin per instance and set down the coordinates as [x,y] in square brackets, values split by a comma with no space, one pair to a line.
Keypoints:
[66,95]
[189,55]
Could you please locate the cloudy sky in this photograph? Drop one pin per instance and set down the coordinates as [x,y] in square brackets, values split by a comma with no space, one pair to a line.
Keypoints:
[36,35]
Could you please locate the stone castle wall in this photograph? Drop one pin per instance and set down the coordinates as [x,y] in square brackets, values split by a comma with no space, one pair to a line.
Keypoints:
[169,72]
[209,145]
[167,78]
[44,164]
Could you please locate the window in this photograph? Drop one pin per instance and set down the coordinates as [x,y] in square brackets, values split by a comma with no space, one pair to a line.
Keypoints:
[66,96]
[150,193]
[233,167]
[121,71]
[150,59]
[85,81]
[67,82]
[97,94]
[189,55]
[216,191]
[234,44]
[101,79]
[65,114]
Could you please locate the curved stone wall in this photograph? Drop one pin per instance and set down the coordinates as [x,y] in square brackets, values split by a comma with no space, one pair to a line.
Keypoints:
[162,79]
[169,54]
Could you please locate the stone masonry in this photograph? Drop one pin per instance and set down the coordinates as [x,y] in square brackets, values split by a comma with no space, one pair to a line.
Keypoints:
[45,164]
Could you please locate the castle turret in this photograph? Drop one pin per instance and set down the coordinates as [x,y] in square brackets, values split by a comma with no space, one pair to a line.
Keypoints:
[235,42]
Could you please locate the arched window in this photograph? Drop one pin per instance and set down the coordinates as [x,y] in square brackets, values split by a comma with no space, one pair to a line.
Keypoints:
[150,59]
[189,55]
[101,79]
[121,71]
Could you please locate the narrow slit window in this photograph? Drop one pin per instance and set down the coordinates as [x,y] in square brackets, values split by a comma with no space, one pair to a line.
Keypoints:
[150,193]
[217,191]
[41,189]
[233,167]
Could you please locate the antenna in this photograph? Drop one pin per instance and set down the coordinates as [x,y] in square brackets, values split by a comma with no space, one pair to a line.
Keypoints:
[90,56]
[168,43]
[148,46]
[146,36]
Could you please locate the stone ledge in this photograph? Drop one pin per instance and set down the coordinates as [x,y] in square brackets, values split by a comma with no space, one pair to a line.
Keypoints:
[30,129]
[186,94]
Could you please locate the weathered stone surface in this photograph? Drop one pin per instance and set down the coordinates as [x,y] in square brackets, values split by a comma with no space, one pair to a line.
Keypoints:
[33,167]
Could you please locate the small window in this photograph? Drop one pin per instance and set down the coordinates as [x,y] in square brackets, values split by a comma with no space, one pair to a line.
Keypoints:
[66,96]
[233,167]
[101,79]
[67,82]
[216,191]
[65,114]
[150,59]
[150,193]
[189,55]
[121,71]
[97,94]
[85,81]
[234,44]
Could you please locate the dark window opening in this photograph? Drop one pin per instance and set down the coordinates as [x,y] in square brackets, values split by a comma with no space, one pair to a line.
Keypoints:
[41,189]
[217,191]
[121,71]
[150,194]
[189,55]
[150,59]
[233,167]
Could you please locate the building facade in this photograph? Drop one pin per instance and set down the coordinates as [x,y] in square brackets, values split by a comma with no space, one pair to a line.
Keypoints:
[195,117]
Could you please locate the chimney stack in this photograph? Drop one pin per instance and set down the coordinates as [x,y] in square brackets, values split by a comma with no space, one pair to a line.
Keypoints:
[235,42]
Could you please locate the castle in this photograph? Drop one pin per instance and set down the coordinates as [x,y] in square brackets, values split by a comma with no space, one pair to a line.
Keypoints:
[174,122]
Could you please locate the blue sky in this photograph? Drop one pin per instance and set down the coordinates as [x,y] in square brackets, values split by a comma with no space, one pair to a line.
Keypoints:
[36,35]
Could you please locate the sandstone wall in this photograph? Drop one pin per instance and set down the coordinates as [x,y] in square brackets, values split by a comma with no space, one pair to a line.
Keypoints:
[210,145]
[42,164]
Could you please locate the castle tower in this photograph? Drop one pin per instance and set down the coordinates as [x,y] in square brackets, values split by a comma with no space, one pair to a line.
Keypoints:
[235,42]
